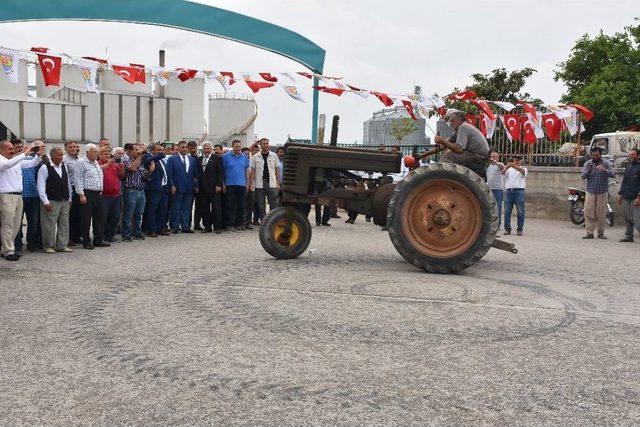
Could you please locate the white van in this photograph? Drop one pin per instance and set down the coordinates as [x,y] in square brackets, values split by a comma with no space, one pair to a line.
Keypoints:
[616,145]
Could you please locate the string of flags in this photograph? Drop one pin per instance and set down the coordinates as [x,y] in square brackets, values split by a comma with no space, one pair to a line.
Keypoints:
[528,126]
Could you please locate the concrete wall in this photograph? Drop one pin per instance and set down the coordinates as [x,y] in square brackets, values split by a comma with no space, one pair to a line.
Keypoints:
[15,90]
[547,191]
[42,119]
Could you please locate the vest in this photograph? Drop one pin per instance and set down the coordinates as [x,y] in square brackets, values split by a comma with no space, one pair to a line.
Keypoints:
[57,188]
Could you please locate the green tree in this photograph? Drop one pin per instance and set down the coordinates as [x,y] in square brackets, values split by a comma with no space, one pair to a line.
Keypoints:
[603,74]
[401,128]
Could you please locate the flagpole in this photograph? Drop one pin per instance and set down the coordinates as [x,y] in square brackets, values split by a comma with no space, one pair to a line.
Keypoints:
[314,117]
[578,138]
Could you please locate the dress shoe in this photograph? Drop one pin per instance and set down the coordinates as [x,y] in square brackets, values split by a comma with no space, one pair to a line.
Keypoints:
[112,240]
[176,231]
[519,232]
[350,221]
[87,245]
[65,249]
[101,245]
[507,232]
[152,235]
[188,231]
[12,257]
[206,230]
[326,224]
[49,251]
[197,227]
[626,240]
[218,232]
[602,236]
[165,233]
[138,237]
[318,224]
[127,239]
[588,236]
[237,229]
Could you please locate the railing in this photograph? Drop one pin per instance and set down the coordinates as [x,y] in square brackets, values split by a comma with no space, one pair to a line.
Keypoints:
[238,96]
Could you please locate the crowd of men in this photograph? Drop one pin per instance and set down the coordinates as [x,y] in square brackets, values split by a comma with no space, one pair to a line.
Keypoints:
[137,191]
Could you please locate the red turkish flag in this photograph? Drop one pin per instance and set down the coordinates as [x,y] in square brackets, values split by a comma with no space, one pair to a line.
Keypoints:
[484,106]
[529,108]
[141,75]
[409,106]
[511,123]
[268,77]
[127,73]
[307,75]
[50,67]
[229,74]
[588,114]
[384,98]
[552,126]
[331,90]
[472,119]
[463,96]
[442,111]
[40,49]
[483,125]
[184,74]
[256,86]
[529,132]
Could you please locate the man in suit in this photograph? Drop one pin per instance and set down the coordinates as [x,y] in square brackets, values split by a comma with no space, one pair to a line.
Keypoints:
[210,180]
[192,147]
[182,172]
[157,189]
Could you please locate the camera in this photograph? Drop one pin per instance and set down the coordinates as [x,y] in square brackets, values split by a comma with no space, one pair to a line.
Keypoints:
[118,160]
[34,149]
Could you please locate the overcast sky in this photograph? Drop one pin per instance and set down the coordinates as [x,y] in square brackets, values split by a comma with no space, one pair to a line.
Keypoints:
[381,45]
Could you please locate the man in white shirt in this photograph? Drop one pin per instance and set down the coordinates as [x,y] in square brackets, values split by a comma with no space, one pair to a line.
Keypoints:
[54,190]
[515,183]
[11,165]
[495,180]
[265,177]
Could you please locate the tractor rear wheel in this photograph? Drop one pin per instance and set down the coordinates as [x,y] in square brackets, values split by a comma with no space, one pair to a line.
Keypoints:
[442,218]
[274,238]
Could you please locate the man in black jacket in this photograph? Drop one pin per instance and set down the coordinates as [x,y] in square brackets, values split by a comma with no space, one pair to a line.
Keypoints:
[629,195]
[210,181]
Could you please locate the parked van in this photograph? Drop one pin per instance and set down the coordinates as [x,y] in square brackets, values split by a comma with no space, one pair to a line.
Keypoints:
[616,145]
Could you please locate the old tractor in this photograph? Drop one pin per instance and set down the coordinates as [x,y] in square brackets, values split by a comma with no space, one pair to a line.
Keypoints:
[441,217]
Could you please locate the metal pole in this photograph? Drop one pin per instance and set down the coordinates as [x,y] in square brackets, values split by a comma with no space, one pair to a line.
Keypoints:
[314,117]
[579,118]
[161,63]
[321,127]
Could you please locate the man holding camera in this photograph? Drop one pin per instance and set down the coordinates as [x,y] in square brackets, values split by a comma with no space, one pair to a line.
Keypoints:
[11,165]
[597,172]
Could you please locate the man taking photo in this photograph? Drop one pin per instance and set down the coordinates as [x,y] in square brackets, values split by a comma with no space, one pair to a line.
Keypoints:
[597,172]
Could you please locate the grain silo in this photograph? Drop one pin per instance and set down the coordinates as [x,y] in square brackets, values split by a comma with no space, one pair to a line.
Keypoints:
[377,129]
[192,93]
[232,116]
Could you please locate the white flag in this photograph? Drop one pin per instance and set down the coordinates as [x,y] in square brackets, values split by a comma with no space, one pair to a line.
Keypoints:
[209,75]
[10,60]
[290,76]
[89,70]
[162,75]
[292,91]
[491,126]
[507,106]
[571,120]
[436,101]
[536,123]
[225,81]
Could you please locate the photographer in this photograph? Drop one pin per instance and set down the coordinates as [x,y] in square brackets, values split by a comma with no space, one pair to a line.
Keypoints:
[113,171]
[597,172]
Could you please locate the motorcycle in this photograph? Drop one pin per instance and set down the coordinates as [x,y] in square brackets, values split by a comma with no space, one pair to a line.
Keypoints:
[576,206]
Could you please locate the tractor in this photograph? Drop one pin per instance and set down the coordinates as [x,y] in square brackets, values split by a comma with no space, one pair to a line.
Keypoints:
[441,217]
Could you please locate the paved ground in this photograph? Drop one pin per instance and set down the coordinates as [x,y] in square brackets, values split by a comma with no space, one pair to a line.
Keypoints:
[209,329]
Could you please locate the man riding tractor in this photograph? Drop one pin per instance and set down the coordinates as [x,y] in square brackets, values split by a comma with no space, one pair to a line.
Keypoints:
[467,146]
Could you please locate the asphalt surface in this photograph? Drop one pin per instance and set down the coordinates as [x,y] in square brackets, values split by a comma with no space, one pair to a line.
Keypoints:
[208,329]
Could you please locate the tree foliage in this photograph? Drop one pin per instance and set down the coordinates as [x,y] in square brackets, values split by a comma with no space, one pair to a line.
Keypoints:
[401,128]
[603,74]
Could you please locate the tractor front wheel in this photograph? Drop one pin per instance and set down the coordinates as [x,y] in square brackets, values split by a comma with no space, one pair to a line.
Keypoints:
[274,236]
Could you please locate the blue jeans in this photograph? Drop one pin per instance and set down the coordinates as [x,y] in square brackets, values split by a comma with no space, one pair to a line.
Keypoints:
[156,212]
[111,208]
[181,211]
[30,209]
[499,196]
[134,201]
[514,196]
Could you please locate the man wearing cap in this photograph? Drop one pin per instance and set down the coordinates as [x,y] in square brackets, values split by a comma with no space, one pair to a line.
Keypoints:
[467,146]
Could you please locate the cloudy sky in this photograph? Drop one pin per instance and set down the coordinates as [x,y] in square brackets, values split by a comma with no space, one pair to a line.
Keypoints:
[381,45]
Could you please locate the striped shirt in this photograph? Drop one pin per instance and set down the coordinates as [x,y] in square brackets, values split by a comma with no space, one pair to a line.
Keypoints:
[70,162]
[137,179]
[88,175]
[598,180]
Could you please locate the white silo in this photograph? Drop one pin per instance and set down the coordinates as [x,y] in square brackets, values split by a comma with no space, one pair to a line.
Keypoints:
[192,94]
[15,90]
[232,116]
